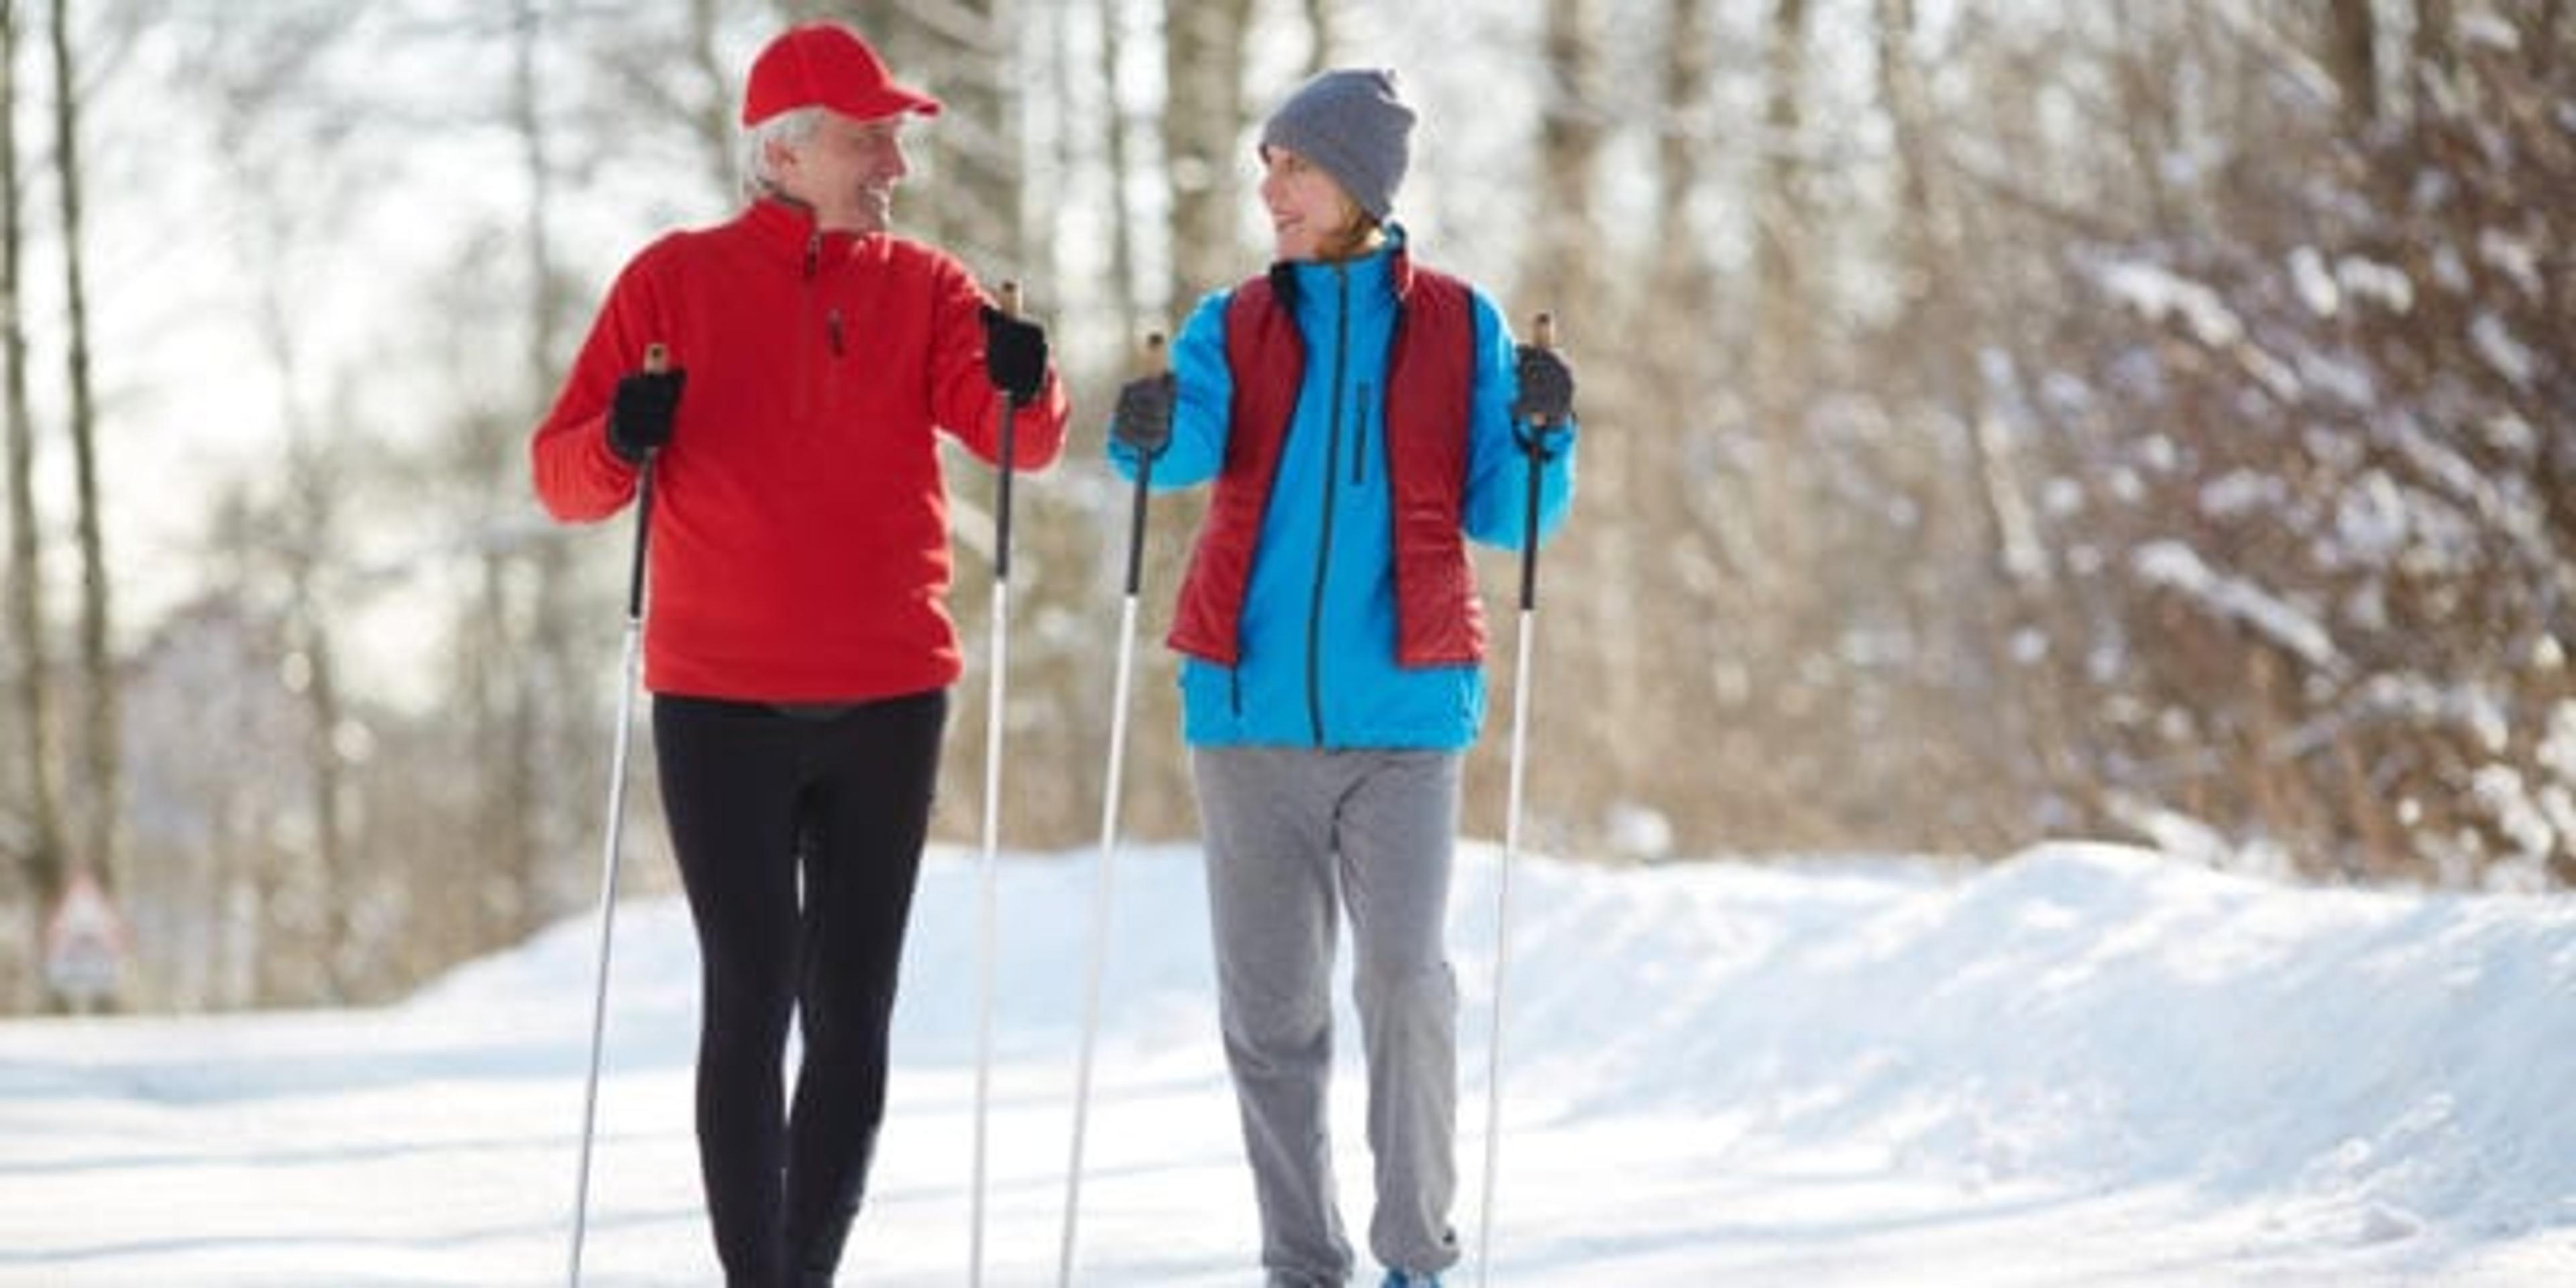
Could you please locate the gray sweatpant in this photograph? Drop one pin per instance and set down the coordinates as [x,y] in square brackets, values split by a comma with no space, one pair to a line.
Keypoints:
[1292,835]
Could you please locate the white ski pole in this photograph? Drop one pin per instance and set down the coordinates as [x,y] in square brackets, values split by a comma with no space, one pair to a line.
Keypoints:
[1544,336]
[656,359]
[988,918]
[1104,887]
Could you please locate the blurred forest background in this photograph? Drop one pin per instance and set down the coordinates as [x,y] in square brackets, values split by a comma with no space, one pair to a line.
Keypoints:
[2002,420]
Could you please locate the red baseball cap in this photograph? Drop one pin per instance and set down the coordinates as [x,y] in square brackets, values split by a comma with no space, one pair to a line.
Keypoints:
[824,64]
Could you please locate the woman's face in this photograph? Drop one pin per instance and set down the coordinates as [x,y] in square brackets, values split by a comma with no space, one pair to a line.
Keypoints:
[1310,216]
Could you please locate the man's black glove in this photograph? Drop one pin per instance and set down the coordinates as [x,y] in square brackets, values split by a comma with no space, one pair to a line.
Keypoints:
[640,420]
[1546,387]
[1144,419]
[1015,354]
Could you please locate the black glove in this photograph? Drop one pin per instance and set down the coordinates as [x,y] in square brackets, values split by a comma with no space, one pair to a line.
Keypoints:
[1144,419]
[1546,384]
[640,420]
[1015,354]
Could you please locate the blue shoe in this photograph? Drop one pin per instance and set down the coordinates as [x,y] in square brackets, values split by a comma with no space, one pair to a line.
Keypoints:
[1399,1279]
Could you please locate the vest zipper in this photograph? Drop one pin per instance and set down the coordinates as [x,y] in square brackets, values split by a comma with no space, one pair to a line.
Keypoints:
[1332,467]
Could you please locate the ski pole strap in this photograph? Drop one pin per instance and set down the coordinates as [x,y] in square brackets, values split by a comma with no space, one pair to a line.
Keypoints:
[1541,443]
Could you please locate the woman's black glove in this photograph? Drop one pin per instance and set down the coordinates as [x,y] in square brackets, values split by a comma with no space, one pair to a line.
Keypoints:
[1546,387]
[1144,418]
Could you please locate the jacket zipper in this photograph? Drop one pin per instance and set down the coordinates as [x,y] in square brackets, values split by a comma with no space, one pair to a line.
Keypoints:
[1359,436]
[808,369]
[1332,467]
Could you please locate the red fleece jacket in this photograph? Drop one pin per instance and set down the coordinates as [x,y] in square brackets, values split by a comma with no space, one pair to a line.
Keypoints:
[800,522]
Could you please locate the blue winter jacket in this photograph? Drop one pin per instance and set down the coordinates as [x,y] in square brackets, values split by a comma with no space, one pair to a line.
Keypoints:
[1318,631]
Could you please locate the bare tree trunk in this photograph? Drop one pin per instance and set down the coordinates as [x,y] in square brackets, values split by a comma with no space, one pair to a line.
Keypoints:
[713,120]
[101,759]
[1122,208]
[965,51]
[309,513]
[1779,301]
[1203,121]
[506,852]
[1900,91]
[1600,559]
[2351,57]
[1322,19]
[1779,373]
[980,178]
[2144,67]
[1936,329]
[284,175]
[687,82]
[548,704]
[1567,237]
[501,847]
[309,637]
[2432,47]
[29,698]
[1993,596]
[1681,259]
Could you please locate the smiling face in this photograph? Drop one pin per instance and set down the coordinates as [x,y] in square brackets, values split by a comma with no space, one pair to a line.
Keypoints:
[1310,216]
[846,170]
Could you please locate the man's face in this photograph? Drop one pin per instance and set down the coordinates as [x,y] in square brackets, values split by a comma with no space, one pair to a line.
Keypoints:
[846,171]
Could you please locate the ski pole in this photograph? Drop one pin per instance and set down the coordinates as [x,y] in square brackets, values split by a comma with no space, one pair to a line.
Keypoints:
[1101,892]
[1533,444]
[657,358]
[988,928]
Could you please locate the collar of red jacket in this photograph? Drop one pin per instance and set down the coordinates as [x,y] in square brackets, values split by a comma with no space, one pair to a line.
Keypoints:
[788,228]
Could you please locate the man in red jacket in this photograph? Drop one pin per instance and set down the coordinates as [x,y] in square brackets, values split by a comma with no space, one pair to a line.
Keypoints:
[799,645]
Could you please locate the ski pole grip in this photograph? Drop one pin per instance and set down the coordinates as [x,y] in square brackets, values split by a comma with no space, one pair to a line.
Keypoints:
[1543,338]
[1007,298]
[1157,362]
[657,359]
[1542,335]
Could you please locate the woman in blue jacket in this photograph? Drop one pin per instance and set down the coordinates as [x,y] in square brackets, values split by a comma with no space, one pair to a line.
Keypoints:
[1361,418]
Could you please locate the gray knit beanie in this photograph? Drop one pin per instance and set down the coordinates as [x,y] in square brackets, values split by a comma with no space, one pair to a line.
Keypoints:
[1350,122]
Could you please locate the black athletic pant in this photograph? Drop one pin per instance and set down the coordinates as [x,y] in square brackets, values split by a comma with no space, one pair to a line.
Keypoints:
[799,836]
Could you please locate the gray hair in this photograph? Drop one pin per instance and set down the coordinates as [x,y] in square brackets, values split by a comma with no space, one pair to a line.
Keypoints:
[792,128]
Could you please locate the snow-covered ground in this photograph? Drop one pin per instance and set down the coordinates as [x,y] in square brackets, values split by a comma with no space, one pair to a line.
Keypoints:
[2084,1066]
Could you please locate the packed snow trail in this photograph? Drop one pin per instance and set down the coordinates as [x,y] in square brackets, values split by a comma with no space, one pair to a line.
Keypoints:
[2086,1065]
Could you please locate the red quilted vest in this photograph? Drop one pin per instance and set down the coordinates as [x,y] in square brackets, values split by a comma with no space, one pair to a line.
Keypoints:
[1430,378]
